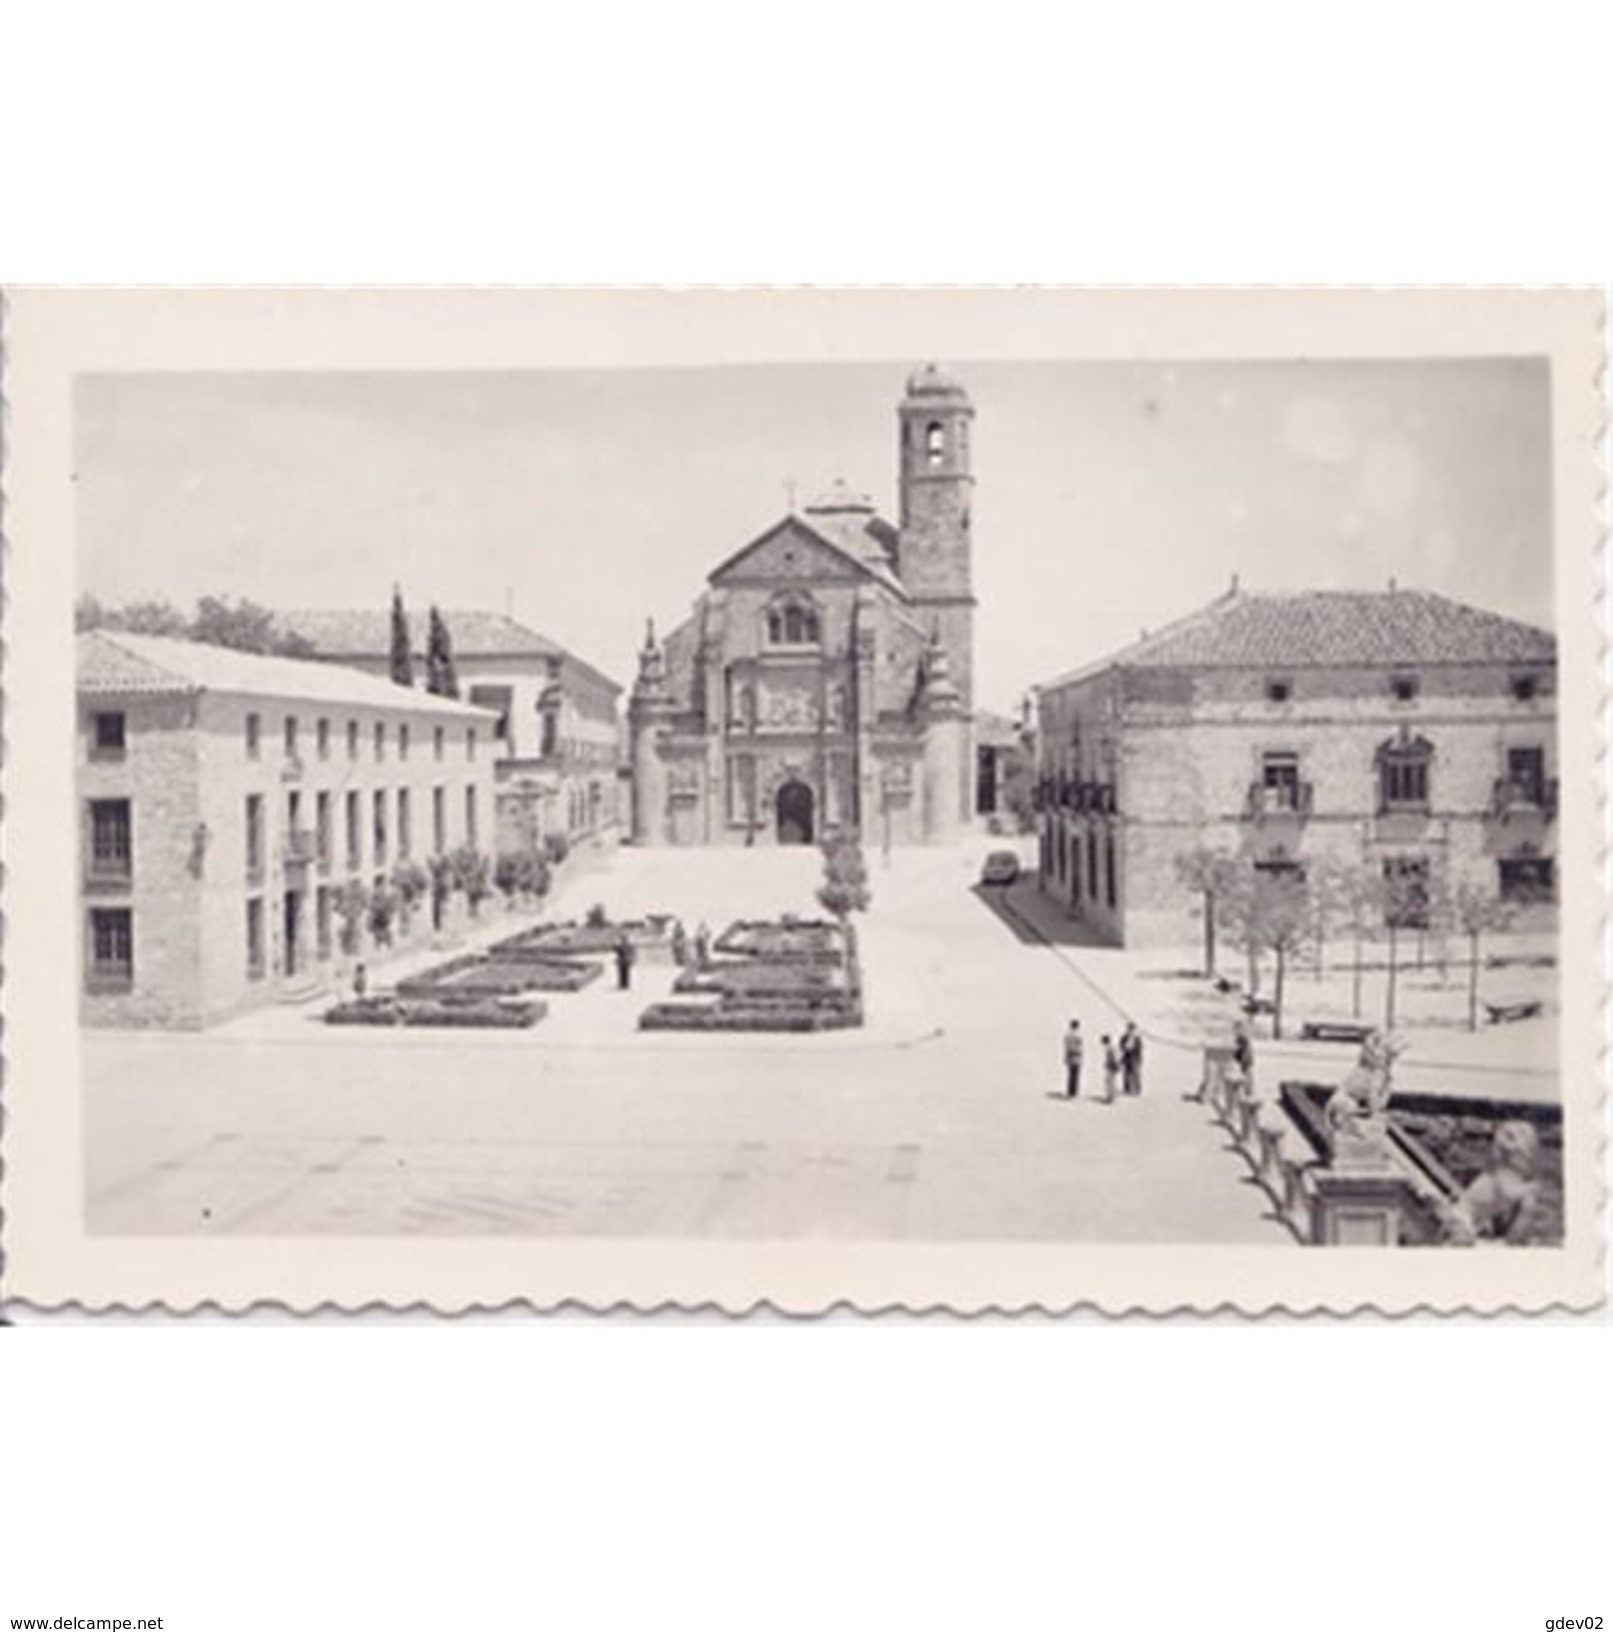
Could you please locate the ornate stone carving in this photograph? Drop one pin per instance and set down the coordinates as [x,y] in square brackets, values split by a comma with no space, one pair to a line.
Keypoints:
[1357,1114]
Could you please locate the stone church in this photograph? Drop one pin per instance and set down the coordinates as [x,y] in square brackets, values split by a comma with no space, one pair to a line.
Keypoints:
[824,681]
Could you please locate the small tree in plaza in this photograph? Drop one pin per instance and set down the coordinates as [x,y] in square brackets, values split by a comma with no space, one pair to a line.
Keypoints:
[844,890]
[473,876]
[1473,912]
[383,912]
[352,906]
[845,876]
[1273,913]
[1358,900]
[410,881]
[1211,874]
[440,869]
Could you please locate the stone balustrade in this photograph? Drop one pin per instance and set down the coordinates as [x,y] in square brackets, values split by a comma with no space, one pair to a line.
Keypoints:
[1262,1136]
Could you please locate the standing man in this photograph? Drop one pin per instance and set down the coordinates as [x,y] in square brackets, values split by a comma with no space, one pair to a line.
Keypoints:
[624,962]
[1243,1052]
[702,946]
[1072,1059]
[680,943]
[1131,1059]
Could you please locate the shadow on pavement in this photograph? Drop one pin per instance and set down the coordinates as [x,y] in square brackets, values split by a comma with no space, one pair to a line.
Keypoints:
[1032,927]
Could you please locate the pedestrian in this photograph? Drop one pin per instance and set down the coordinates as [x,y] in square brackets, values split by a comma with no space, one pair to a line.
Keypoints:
[1131,1059]
[1072,1059]
[1111,1070]
[1243,1051]
[361,980]
[680,943]
[702,946]
[624,962]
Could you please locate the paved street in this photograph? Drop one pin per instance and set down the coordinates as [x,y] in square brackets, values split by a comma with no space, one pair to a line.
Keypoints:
[941,1119]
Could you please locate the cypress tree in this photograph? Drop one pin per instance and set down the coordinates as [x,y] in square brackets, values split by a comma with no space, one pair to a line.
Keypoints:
[402,661]
[440,676]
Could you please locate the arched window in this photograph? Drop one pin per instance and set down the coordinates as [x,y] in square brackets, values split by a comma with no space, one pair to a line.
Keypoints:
[793,621]
[935,443]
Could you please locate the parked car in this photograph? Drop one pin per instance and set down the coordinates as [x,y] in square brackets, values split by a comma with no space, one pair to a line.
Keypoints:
[1002,867]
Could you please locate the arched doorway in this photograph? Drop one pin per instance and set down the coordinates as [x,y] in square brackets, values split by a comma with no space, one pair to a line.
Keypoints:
[794,806]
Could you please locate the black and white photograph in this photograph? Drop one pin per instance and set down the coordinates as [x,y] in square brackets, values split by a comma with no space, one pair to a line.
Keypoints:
[940,801]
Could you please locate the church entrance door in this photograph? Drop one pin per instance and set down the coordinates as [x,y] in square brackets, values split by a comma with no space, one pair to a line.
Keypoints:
[795,813]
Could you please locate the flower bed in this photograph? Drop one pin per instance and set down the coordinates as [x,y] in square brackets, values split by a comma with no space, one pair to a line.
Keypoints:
[744,979]
[726,1015]
[808,940]
[405,1011]
[477,976]
[586,940]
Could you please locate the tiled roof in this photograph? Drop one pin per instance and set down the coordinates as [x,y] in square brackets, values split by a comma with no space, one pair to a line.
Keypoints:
[367,633]
[1333,629]
[112,663]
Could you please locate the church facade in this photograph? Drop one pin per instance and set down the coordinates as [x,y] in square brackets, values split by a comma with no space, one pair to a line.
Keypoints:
[824,681]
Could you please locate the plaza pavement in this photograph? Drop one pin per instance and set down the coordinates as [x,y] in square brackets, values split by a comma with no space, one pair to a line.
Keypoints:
[941,1119]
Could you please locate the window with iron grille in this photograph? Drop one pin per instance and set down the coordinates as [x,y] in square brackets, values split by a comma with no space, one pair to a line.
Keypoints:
[111,946]
[111,838]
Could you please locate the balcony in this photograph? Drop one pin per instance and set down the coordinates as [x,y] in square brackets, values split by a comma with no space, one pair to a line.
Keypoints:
[1082,798]
[1522,801]
[1283,801]
[109,872]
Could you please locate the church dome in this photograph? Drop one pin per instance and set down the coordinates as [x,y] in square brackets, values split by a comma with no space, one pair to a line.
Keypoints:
[933,381]
[841,500]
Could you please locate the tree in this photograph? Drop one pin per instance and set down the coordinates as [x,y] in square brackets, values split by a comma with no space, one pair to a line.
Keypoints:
[472,875]
[441,680]
[1475,912]
[244,626]
[1280,919]
[1404,903]
[410,881]
[1019,788]
[441,871]
[1358,897]
[844,891]
[137,618]
[352,904]
[402,655]
[845,876]
[383,910]
[1211,874]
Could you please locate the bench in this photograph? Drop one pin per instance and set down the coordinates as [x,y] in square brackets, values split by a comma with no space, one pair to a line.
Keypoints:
[1335,1031]
[1501,1013]
[1258,1005]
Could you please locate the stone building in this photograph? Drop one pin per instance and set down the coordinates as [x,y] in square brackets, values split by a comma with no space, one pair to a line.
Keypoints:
[1400,731]
[825,678]
[557,737]
[225,801]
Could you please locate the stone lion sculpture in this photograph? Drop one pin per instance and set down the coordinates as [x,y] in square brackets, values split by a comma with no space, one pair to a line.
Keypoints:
[1357,1112]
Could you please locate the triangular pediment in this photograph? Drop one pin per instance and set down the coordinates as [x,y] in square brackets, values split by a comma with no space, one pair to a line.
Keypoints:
[789,552]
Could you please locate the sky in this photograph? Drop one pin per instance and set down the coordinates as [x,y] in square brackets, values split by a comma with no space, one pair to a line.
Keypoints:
[1110,497]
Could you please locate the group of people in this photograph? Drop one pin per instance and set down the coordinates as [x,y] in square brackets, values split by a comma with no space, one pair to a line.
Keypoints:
[1122,1061]
[683,946]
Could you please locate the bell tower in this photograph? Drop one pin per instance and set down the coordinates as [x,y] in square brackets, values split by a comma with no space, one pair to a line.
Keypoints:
[937,491]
